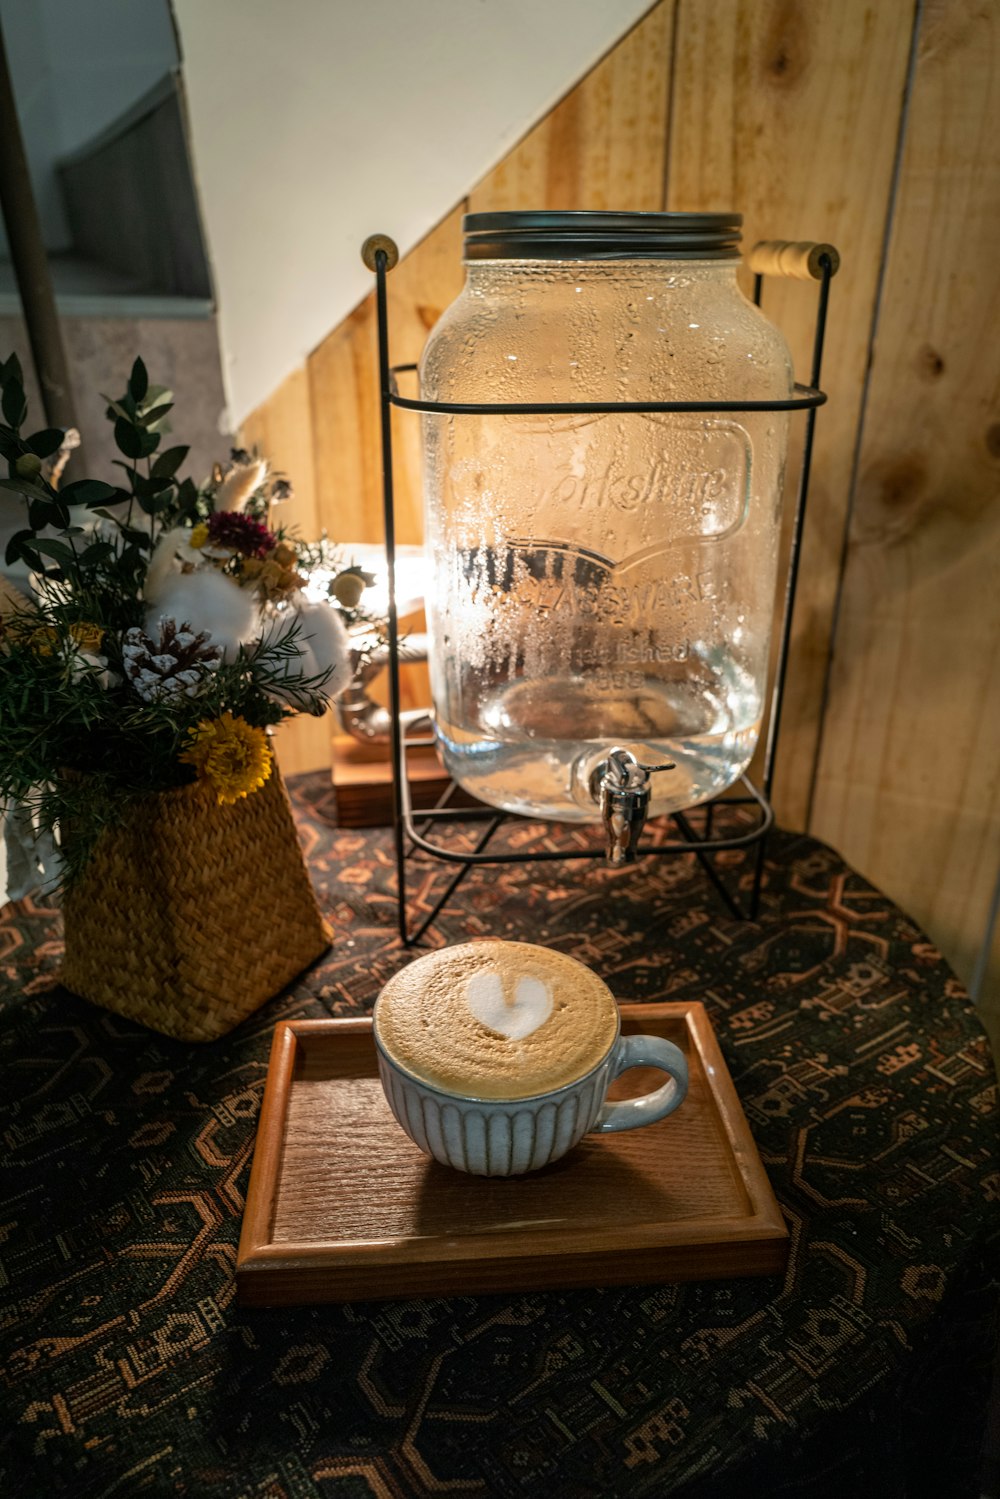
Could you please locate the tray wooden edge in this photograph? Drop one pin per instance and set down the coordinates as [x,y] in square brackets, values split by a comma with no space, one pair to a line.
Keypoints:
[755,1179]
[301,1273]
[258,1210]
[273,1280]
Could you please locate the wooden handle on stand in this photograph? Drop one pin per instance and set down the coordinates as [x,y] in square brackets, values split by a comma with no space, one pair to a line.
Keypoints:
[801,259]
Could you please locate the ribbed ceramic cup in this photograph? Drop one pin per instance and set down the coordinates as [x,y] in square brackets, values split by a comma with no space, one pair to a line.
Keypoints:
[496,1137]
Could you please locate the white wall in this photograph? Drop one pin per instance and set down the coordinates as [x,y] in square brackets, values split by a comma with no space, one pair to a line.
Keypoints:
[76,65]
[316,122]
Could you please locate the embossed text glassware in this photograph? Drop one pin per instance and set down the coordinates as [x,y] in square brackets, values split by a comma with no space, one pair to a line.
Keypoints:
[601,580]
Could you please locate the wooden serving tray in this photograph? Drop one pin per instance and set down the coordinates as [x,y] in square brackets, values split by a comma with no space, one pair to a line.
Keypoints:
[342,1206]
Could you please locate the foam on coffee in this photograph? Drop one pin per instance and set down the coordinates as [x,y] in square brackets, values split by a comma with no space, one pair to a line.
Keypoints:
[496,1019]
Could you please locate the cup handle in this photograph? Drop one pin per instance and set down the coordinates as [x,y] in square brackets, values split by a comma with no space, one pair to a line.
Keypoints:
[645,1051]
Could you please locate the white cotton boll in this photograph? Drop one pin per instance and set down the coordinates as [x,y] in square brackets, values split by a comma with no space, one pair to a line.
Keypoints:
[325,639]
[323,644]
[170,551]
[208,602]
[87,664]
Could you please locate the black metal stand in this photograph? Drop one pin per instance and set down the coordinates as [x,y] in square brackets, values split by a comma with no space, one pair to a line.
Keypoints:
[380,254]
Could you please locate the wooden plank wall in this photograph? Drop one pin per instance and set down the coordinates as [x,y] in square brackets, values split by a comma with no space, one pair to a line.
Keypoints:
[873,126]
[790,112]
[908,781]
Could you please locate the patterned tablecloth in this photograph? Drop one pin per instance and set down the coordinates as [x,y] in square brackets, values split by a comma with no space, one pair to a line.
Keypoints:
[866,1078]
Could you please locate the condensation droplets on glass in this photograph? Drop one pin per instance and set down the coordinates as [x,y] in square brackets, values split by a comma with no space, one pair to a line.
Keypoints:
[601,580]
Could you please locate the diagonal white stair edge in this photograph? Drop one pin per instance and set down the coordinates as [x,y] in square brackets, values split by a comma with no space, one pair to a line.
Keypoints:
[315,122]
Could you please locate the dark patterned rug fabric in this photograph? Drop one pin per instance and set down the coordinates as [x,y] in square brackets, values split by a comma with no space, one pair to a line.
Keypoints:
[867,1081]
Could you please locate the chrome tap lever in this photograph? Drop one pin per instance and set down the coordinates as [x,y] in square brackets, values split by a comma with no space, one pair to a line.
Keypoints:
[620,786]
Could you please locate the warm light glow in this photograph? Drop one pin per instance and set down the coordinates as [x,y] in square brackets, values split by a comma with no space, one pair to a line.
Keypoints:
[411,577]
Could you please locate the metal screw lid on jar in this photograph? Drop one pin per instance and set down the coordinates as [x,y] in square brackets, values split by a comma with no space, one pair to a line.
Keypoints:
[583,235]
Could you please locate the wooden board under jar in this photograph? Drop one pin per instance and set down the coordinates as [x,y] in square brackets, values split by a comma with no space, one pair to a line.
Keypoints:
[342,1206]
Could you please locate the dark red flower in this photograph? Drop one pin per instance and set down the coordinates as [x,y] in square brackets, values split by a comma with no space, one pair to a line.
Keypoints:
[240,533]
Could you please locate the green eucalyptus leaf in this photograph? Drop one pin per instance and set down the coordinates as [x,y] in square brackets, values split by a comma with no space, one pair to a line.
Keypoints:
[153,498]
[11,370]
[128,439]
[89,492]
[169,461]
[92,556]
[56,549]
[107,514]
[115,408]
[43,444]
[41,514]
[187,497]
[141,486]
[138,381]
[32,489]
[15,407]
[150,419]
[15,545]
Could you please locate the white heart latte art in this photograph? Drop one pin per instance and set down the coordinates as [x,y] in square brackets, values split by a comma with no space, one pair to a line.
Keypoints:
[514,1018]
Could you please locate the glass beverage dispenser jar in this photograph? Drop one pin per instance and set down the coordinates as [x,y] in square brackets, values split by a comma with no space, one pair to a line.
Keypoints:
[601,582]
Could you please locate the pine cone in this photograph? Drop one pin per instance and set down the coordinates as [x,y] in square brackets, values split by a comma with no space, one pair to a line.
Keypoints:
[175,665]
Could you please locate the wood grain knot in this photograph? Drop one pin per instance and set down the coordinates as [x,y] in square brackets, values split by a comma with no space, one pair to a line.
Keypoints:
[900,481]
[786,48]
[930,364]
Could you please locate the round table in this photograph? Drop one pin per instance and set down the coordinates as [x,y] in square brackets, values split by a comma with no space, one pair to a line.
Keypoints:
[867,1082]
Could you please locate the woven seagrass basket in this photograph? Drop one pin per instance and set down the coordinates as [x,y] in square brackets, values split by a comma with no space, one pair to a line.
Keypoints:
[190,915]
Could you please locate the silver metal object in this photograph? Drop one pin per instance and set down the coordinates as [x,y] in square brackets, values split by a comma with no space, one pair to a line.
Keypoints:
[360,715]
[620,785]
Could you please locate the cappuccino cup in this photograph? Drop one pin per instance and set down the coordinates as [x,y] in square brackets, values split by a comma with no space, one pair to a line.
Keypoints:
[496,1057]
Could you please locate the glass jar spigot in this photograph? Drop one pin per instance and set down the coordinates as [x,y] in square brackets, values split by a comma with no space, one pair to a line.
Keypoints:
[620,786]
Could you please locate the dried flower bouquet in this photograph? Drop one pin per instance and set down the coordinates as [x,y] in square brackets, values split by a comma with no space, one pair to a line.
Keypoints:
[151,630]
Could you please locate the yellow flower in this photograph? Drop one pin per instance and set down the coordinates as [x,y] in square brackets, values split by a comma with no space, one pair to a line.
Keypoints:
[44,640]
[86,636]
[347,588]
[233,756]
[274,580]
[198,536]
